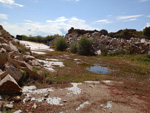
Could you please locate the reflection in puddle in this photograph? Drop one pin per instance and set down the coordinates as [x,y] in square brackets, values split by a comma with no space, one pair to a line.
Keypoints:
[98,69]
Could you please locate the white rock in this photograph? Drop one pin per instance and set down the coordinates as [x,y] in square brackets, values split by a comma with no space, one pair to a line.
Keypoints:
[54,101]
[82,105]
[18,111]
[92,82]
[34,106]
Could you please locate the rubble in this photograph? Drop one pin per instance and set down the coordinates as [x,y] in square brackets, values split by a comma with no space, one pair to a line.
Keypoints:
[112,45]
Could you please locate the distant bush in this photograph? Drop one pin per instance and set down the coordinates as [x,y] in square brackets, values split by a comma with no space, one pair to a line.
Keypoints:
[146,31]
[85,46]
[104,32]
[74,47]
[41,39]
[61,44]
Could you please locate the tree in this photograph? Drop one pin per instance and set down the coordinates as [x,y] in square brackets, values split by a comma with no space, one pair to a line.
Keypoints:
[146,31]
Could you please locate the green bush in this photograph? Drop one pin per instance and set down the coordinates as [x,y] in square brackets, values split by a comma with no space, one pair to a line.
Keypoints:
[119,51]
[146,31]
[103,49]
[104,32]
[61,44]
[85,46]
[41,39]
[74,47]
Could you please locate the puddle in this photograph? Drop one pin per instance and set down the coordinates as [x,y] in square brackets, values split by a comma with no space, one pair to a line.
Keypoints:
[98,69]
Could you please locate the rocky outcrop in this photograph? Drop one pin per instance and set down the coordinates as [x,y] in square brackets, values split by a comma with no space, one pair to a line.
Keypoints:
[112,45]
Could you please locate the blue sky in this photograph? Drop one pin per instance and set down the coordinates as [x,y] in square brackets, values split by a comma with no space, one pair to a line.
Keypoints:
[48,17]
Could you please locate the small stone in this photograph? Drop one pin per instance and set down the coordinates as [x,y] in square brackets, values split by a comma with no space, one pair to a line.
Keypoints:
[18,111]
[91,86]
[65,101]
[9,106]
[1,105]
[16,98]
[34,106]
[46,95]
[28,99]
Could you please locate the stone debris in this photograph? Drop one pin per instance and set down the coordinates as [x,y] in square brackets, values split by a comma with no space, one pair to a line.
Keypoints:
[82,105]
[34,106]
[18,111]
[16,98]
[112,45]
[9,106]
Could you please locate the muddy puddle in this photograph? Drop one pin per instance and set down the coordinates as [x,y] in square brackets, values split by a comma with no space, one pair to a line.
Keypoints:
[98,69]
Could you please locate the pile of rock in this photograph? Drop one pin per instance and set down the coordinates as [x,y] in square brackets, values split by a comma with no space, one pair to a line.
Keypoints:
[13,64]
[133,46]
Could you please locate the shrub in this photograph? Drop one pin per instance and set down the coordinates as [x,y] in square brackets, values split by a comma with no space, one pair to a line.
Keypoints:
[85,46]
[119,51]
[103,49]
[61,44]
[146,31]
[104,32]
[74,47]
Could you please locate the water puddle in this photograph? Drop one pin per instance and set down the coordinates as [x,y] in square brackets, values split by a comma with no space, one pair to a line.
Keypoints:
[98,69]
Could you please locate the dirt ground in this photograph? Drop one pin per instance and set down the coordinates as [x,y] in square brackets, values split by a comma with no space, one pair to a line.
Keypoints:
[103,96]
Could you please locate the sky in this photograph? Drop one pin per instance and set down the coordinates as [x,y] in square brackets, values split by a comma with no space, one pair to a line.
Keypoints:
[49,17]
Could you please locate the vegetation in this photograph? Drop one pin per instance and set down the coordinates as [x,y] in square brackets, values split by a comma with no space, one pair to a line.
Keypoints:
[103,49]
[74,47]
[61,44]
[104,32]
[85,46]
[22,48]
[119,51]
[41,39]
[146,31]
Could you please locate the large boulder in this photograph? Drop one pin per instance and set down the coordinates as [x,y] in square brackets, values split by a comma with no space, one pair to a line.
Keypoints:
[14,72]
[24,66]
[8,85]
[9,46]
[3,57]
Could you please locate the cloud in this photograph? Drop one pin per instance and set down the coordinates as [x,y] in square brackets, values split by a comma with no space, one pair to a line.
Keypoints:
[58,26]
[27,20]
[132,19]
[147,24]
[59,19]
[11,2]
[104,21]
[128,18]
[148,16]
[3,16]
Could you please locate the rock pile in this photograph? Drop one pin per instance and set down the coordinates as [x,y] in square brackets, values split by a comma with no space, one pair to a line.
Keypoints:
[13,65]
[112,45]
